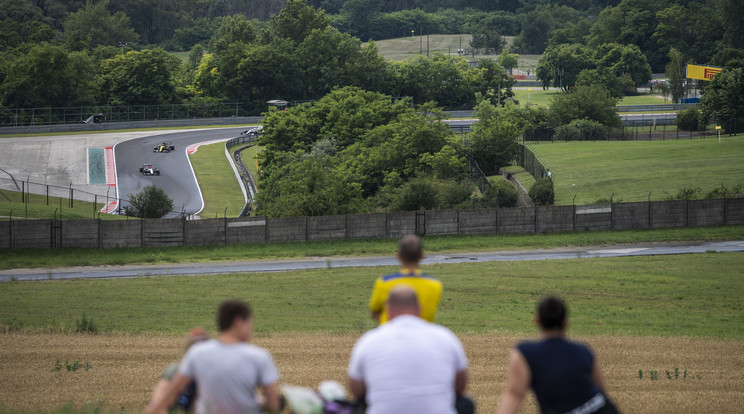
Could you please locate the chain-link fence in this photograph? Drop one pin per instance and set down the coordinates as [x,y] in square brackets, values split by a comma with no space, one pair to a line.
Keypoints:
[109,113]
[19,197]
[531,162]
[643,130]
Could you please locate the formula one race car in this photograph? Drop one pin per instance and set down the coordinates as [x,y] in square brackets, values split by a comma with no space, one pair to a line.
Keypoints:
[165,146]
[148,169]
[252,132]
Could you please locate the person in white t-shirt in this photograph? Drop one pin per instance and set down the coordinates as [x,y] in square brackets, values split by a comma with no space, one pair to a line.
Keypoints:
[228,370]
[409,365]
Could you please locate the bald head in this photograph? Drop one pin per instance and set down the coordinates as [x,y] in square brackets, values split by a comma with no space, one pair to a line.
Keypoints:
[410,251]
[402,300]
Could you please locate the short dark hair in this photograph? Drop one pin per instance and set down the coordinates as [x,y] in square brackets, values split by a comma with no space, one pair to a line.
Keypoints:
[552,312]
[229,310]
[410,249]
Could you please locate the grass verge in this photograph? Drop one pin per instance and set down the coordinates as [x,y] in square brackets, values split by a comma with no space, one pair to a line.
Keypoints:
[632,170]
[541,97]
[646,296]
[37,208]
[67,257]
[217,181]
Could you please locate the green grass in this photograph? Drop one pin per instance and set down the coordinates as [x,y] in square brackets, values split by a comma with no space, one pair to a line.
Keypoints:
[37,208]
[524,177]
[647,296]
[406,47]
[219,186]
[66,257]
[538,96]
[595,170]
[249,158]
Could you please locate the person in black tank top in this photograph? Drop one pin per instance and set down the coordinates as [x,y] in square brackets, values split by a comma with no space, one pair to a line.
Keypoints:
[564,375]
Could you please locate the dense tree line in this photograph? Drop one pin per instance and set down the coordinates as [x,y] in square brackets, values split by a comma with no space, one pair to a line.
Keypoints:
[296,55]
[358,151]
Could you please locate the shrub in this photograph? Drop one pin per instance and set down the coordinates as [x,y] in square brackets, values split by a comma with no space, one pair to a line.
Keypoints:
[453,193]
[689,119]
[542,192]
[86,325]
[418,194]
[150,202]
[582,130]
[502,193]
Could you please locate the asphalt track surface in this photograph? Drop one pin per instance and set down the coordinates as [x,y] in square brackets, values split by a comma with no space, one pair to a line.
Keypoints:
[176,175]
[262,266]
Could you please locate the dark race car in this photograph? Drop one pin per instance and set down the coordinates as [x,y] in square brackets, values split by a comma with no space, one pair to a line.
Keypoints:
[148,169]
[165,146]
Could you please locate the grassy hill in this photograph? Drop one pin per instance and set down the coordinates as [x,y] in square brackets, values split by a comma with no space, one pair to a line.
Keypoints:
[595,170]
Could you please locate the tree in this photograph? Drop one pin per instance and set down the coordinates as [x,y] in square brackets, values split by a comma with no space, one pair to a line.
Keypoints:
[94,25]
[508,60]
[585,102]
[561,65]
[49,76]
[724,99]
[732,12]
[297,20]
[488,39]
[494,139]
[676,74]
[604,77]
[150,202]
[139,78]
[233,29]
[623,60]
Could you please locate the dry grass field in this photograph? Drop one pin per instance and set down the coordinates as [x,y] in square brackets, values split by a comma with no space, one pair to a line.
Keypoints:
[124,368]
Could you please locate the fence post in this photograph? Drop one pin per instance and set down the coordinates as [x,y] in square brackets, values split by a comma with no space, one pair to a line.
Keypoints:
[387,228]
[307,231]
[687,213]
[23,191]
[535,218]
[95,205]
[47,194]
[100,235]
[225,218]
[346,226]
[573,218]
[266,229]
[458,222]
[142,232]
[612,210]
[183,231]
[10,232]
[725,209]
[649,209]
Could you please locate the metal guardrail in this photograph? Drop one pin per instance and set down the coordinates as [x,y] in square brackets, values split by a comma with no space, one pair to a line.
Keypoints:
[653,108]
[245,175]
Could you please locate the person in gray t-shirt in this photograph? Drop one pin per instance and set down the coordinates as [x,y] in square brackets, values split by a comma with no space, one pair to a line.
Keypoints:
[227,370]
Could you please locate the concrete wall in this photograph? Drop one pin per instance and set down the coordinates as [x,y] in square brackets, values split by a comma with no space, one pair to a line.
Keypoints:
[544,219]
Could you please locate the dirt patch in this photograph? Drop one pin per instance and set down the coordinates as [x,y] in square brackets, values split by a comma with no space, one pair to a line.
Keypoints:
[710,376]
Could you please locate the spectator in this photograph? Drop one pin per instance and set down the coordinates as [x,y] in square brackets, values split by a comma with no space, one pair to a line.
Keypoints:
[409,365]
[564,375]
[429,290]
[227,369]
[185,400]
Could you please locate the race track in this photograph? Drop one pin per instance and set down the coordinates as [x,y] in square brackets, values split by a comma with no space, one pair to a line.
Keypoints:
[176,176]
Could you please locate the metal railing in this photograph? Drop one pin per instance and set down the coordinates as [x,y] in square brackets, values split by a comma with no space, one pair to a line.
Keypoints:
[110,113]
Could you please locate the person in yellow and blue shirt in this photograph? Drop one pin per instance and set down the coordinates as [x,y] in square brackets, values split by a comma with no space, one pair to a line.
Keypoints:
[429,290]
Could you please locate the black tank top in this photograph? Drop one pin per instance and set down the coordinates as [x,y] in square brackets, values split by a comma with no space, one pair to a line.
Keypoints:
[561,373]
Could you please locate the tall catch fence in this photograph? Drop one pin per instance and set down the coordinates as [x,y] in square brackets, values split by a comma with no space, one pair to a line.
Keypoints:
[642,130]
[531,162]
[111,113]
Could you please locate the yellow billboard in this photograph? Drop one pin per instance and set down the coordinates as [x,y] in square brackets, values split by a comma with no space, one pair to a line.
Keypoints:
[702,72]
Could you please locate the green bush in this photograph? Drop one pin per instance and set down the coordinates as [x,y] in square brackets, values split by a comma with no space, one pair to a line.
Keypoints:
[581,130]
[454,193]
[504,192]
[689,119]
[418,194]
[542,193]
[150,202]
[86,325]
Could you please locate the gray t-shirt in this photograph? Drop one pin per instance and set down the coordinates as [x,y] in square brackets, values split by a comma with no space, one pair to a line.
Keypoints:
[228,375]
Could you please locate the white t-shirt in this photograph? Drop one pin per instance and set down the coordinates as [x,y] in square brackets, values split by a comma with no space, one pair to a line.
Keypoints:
[227,375]
[408,366]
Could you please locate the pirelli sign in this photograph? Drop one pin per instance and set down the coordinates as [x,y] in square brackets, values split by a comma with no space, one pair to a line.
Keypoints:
[702,72]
